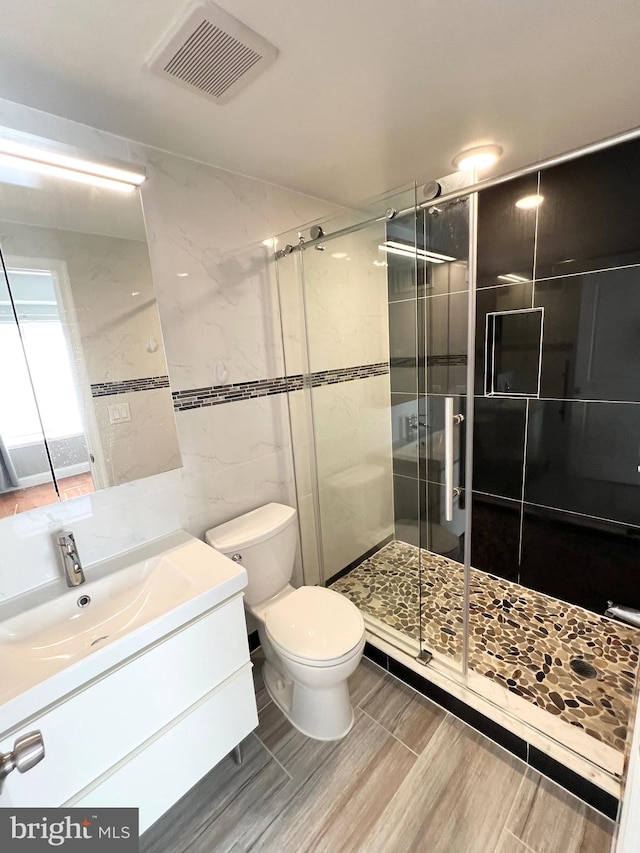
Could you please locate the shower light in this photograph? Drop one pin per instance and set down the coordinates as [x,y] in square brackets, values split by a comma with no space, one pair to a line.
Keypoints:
[407,253]
[18,156]
[530,202]
[512,278]
[477,158]
[395,248]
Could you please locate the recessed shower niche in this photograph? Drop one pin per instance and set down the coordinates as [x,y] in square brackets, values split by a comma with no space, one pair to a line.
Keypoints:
[513,352]
[463,434]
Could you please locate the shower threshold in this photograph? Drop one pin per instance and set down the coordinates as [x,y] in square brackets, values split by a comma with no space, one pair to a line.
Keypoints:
[522,644]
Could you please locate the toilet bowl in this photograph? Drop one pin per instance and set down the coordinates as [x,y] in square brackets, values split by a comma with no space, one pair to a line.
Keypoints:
[313,638]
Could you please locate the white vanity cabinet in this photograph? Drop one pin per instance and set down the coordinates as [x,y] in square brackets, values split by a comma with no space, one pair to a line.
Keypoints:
[147,729]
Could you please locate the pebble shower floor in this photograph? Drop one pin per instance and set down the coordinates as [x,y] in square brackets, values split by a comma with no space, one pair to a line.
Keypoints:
[521,639]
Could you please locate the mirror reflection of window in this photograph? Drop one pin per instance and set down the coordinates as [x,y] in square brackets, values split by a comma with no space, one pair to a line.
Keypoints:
[40,308]
[95,384]
[26,478]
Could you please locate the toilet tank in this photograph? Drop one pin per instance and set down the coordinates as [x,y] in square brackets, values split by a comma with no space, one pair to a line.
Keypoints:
[264,541]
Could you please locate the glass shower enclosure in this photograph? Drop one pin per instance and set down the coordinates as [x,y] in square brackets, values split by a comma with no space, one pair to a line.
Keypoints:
[464,414]
[376,306]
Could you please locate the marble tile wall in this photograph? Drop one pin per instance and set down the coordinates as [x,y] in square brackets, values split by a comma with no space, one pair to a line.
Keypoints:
[341,430]
[220,325]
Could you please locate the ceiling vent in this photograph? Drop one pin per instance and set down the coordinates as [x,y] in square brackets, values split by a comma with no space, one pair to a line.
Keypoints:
[212,54]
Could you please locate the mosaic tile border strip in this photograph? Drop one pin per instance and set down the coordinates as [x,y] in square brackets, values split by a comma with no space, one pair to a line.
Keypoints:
[430,360]
[347,374]
[215,395]
[453,359]
[126,386]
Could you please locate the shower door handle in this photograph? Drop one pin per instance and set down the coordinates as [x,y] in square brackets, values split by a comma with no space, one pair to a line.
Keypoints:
[450,421]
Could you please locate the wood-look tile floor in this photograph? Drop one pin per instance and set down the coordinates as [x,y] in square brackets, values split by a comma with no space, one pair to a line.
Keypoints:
[408,777]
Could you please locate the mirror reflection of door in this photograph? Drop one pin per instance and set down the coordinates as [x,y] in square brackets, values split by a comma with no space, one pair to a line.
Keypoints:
[44,308]
[26,477]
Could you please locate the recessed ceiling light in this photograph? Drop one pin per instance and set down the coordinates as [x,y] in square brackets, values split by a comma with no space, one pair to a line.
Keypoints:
[530,202]
[340,255]
[480,157]
[182,274]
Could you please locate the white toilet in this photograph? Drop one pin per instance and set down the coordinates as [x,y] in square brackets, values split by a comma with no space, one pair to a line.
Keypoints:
[312,637]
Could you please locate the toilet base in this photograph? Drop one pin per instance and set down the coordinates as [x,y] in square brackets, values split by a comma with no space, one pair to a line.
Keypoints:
[321,713]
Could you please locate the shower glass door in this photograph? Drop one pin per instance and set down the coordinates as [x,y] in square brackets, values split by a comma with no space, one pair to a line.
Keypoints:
[375,338]
[443,309]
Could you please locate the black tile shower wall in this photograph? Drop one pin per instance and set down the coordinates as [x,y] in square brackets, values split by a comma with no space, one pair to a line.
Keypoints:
[495,535]
[437,535]
[445,336]
[583,457]
[406,357]
[556,474]
[403,346]
[573,557]
[507,297]
[419,517]
[506,232]
[591,347]
[428,301]
[589,217]
[432,446]
[408,497]
[445,229]
[498,446]
[408,429]
[401,271]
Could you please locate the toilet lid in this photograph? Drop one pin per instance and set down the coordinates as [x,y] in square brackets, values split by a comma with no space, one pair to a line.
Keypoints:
[315,623]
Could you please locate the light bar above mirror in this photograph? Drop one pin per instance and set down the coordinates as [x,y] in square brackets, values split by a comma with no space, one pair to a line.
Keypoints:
[54,164]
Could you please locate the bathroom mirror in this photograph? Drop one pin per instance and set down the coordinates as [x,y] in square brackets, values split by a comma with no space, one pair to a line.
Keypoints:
[85,401]
[513,353]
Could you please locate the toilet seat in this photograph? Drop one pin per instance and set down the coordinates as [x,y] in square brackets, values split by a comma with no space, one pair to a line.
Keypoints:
[315,626]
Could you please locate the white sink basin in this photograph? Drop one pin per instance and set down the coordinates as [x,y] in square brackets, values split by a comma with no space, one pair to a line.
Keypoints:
[49,644]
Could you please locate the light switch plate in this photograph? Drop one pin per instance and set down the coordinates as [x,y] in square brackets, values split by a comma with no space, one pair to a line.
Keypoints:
[119,413]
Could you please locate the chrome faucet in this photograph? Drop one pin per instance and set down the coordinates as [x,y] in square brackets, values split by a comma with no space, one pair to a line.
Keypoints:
[70,559]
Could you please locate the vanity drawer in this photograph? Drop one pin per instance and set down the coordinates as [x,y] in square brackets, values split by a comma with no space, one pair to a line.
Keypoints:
[93,729]
[158,774]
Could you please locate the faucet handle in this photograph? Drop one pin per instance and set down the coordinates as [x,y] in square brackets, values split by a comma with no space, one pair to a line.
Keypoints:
[70,558]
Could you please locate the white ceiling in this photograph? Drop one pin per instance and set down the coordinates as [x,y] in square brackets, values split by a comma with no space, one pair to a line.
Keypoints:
[365,95]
